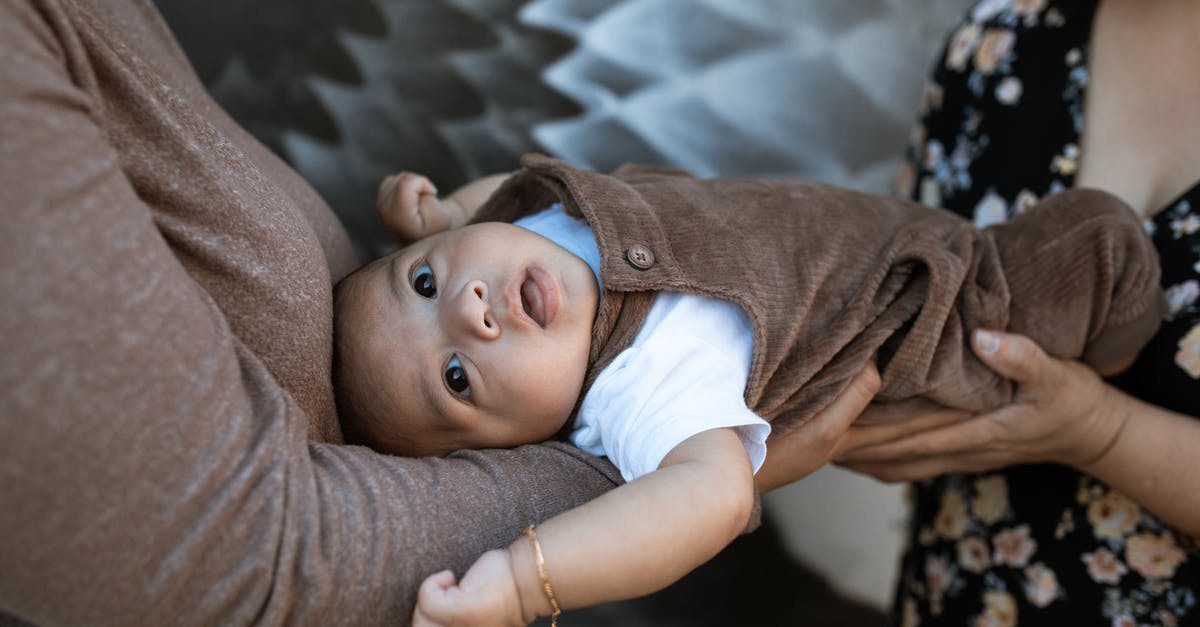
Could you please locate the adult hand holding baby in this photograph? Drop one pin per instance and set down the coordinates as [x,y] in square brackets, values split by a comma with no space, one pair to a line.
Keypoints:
[800,451]
[1061,412]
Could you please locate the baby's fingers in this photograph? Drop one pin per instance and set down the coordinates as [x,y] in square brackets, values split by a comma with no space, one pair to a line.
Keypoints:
[439,581]
[402,192]
[415,184]
[434,606]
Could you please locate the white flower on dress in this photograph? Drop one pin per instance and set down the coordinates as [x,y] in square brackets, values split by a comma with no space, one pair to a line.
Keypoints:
[951,519]
[938,576]
[1028,8]
[1025,200]
[994,49]
[973,554]
[1154,556]
[1181,296]
[991,498]
[999,610]
[1013,547]
[933,154]
[931,193]
[1188,356]
[991,210]
[1009,91]
[1066,524]
[1041,585]
[961,46]
[1104,567]
[1088,491]
[1186,225]
[960,159]
[1113,515]
[1067,162]
[988,9]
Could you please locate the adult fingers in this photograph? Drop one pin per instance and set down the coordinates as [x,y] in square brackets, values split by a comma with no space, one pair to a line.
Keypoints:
[795,454]
[962,436]
[833,422]
[867,435]
[834,418]
[890,412]
[925,468]
[1012,356]
[852,400]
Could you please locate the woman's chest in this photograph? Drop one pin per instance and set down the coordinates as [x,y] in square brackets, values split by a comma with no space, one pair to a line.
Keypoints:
[1141,122]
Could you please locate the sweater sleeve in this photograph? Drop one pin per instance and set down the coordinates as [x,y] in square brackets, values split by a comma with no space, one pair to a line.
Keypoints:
[154,470]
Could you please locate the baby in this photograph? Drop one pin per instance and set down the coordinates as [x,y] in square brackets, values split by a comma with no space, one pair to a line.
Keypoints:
[671,319]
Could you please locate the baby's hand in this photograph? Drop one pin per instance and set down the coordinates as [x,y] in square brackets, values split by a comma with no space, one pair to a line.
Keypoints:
[409,207]
[487,596]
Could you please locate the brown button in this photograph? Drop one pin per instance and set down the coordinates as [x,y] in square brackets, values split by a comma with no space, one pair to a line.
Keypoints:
[640,256]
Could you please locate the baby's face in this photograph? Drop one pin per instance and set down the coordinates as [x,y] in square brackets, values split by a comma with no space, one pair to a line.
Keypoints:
[473,338]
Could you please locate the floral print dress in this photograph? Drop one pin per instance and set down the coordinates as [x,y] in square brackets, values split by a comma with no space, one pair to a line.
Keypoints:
[1000,125]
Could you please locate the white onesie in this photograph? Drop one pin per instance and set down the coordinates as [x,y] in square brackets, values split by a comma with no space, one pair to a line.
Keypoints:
[685,372]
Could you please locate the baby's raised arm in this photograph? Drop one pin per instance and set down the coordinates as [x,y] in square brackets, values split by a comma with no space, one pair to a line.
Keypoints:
[626,543]
[410,209]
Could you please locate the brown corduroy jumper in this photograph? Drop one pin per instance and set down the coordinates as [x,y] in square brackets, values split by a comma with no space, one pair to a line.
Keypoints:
[831,278]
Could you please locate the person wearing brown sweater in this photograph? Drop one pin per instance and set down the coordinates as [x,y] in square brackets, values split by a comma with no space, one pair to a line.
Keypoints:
[669,316]
[167,423]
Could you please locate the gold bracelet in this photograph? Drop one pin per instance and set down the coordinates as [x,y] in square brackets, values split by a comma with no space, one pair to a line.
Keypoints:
[555,610]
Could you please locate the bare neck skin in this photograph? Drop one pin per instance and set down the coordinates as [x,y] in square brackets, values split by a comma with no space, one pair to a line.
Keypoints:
[1141,120]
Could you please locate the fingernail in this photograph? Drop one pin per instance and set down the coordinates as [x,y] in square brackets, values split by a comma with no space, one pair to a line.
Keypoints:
[987,341]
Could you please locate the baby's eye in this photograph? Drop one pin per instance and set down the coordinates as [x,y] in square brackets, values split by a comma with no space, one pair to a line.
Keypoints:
[456,378]
[423,282]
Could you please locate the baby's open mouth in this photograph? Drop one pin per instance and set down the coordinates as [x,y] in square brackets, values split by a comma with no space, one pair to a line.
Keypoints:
[533,301]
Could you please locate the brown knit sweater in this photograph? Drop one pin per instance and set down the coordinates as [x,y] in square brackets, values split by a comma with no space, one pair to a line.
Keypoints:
[831,278]
[164,382]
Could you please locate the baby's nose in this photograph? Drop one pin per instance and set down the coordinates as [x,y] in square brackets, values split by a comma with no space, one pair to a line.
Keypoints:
[475,313]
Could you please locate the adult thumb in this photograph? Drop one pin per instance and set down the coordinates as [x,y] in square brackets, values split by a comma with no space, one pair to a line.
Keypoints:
[1012,356]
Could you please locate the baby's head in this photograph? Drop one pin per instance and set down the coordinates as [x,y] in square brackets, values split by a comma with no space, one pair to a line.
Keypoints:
[472,338]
